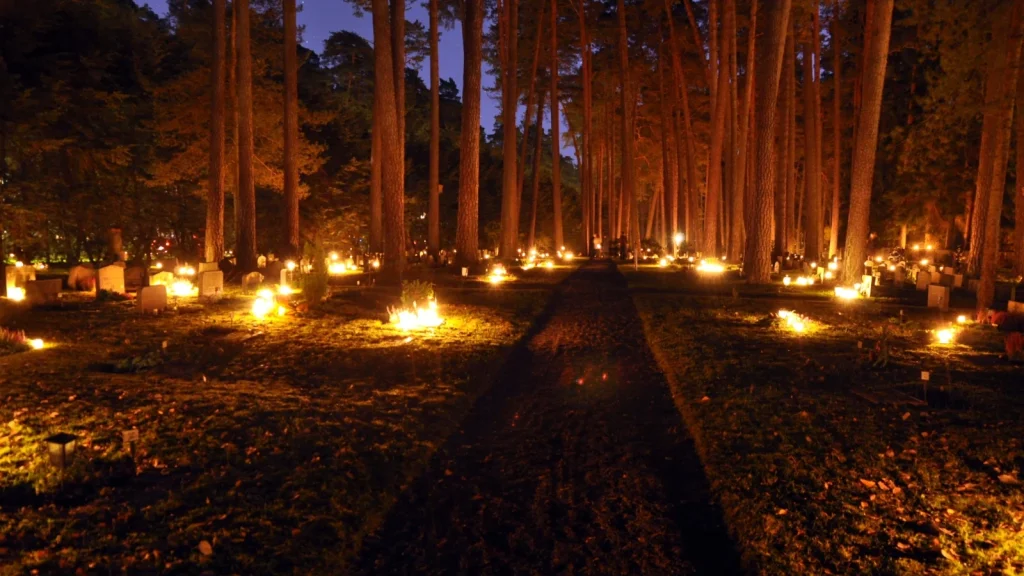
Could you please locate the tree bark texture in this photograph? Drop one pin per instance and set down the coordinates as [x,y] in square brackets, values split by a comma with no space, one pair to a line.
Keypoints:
[214,245]
[291,129]
[434,173]
[556,153]
[467,230]
[509,35]
[245,250]
[628,143]
[390,146]
[813,226]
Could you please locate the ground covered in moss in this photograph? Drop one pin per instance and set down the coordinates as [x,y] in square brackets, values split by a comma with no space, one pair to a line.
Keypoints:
[826,462]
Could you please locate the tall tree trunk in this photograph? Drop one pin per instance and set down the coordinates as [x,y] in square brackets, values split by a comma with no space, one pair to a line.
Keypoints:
[1018,192]
[214,245]
[609,129]
[714,188]
[993,231]
[586,163]
[628,171]
[686,150]
[740,193]
[600,166]
[398,69]
[539,127]
[245,249]
[390,144]
[291,129]
[812,159]
[232,101]
[376,178]
[792,222]
[863,167]
[667,154]
[732,232]
[531,96]
[509,23]
[757,259]
[652,208]
[837,127]
[997,107]
[3,192]
[556,154]
[782,193]
[434,177]
[467,232]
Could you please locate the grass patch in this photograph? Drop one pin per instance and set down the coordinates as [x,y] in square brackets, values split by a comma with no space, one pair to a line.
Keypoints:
[813,477]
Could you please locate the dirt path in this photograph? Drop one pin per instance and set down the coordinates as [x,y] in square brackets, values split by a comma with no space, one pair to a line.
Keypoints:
[576,462]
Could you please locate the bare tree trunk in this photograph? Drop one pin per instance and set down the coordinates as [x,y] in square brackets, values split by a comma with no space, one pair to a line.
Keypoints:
[599,165]
[539,126]
[652,208]
[1018,193]
[863,166]
[531,94]
[509,50]
[667,155]
[214,245]
[398,69]
[628,144]
[792,224]
[732,231]
[245,249]
[586,157]
[757,260]
[556,145]
[990,246]
[812,159]
[467,232]
[434,177]
[390,156]
[740,184]
[782,199]
[376,180]
[995,111]
[714,188]
[679,78]
[232,101]
[837,127]
[291,128]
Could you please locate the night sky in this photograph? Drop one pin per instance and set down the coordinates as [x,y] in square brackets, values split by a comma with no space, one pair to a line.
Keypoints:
[321,17]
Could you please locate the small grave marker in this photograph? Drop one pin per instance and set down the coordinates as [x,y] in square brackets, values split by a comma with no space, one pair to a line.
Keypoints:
[111,279]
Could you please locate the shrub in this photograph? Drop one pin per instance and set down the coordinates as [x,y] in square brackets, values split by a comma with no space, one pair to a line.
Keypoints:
[416,292]
[314,283]
[12,341]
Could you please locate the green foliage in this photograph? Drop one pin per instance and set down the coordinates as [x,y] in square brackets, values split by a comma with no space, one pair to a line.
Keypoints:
[416,292]
[315,282]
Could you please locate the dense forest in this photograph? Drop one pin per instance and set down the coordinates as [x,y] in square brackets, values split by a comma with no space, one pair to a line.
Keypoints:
[827,128]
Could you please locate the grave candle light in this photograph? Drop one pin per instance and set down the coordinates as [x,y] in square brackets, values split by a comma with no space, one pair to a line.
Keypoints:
[16,294]
[706,267]
[945,335]
[787,281]
[844,293]
[663,263]
[961,319]
[37,343]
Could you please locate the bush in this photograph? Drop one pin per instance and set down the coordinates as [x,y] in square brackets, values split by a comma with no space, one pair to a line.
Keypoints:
[416,292]
[12,341]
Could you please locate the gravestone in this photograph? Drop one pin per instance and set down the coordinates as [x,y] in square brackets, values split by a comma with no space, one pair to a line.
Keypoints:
[972,285]
[1015,307]
[932,269]
[82,277]
[211,285]
[152,299]
[866,283]
[924,279]
[938,297]
[946,280]
[261,261]
[39,292]
[111,279]
[775,267]
[19,276]
[899,275]
[207,267]
[806,268]
[958,280]
[287,277]
[161,279]
[251,281]
[134,278]
[275,270]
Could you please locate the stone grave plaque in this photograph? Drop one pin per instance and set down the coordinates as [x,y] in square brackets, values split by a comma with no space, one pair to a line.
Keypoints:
[134,277]
[866,283]
[958,280]
[111,279]
[946,280]
[152,299]
[923,280]
[39,292]
[938,297]
[899,275]
[211,285]
[207,267]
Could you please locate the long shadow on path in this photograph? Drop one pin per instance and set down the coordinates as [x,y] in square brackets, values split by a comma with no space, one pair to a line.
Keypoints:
[575,462]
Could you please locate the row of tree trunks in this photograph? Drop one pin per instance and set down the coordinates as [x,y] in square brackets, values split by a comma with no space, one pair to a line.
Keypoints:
[862,168]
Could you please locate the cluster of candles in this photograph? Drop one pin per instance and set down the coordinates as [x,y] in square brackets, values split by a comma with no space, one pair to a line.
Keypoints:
[794,321]
[417,317]
[266,302]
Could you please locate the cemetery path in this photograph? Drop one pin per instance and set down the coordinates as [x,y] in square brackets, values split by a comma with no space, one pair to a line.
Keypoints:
[575,462]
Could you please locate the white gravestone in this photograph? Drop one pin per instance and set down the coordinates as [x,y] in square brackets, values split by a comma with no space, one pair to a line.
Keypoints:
[938,297]
[211,285]
[251,281]
[866,282]
[207,267]
[111,279]
[923,280]
[152,299]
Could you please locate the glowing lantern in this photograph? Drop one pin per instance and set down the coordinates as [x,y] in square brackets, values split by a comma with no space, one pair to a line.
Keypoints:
[182,288]
[794,321]
[690,259]
[186,271]
[710,267]
[497,275]
[37,343]
[19,264]
[917,247]
[787,281]
[290,265]
[845,293]
[928,247]
[15,293]
[284,290]
[878,259]
[663,262]
[549,264]
[678,238]
[375,264]
[833,266]
[828,275]
[892,267]
[417,317]
[924,261]
[336,268]
[961,319]
[159,266]
[334,256]
[945,336]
